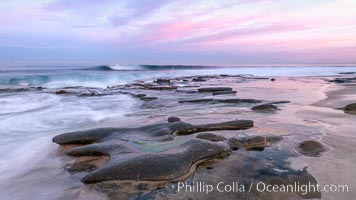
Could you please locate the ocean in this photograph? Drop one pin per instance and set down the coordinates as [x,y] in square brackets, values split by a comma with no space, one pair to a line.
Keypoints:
[103,76]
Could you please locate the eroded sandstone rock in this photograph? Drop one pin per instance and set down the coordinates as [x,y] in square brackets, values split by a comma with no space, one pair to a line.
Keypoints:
[127,162]
[159,132]
[214,89]
[248,143]
[311,148]
[223,92]
[162,81]
[211,137]
[164,166]
[265,108]
[350,109]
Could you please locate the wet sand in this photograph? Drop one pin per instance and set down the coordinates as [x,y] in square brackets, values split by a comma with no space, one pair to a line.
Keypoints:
[312,114]
[335,166]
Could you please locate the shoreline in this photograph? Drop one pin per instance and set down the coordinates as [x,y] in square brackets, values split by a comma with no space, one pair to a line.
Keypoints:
[335,166]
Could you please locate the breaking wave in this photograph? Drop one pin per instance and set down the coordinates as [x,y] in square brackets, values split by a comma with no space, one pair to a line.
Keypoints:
[147,67]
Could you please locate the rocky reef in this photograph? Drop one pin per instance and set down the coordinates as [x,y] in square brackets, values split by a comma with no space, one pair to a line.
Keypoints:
[136,161]
[129,163]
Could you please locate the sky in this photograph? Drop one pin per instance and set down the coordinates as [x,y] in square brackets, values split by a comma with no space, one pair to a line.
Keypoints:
[199,32]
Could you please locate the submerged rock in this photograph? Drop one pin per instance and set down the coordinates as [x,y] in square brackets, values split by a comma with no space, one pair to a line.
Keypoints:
[148,98]
[350,109]
[248,143]
[83,91]
[311,148]
[211,137]
[265,108]
[273,138]
[255,142]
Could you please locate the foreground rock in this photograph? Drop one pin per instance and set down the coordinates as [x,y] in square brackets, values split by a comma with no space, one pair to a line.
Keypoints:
[127,164]
[159,132]
[253,142]
[311,148]
[211,137]
[350,109]
[249,143]
[265,108]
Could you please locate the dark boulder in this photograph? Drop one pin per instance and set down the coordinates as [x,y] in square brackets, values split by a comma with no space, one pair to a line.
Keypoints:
[199,79]
[173,119]
[350,109]
[61,92]
[265,108]
[273,138]
[148,98]
[223,92]
[162,81]
[311,148]
[248,143]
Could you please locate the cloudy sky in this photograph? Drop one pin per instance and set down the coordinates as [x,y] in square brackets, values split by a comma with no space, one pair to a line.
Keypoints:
[85,32]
